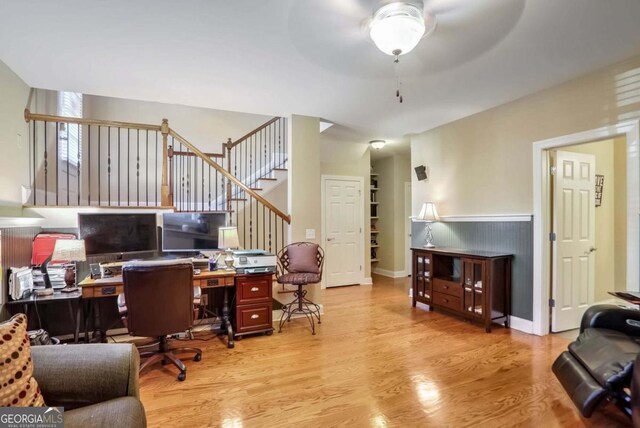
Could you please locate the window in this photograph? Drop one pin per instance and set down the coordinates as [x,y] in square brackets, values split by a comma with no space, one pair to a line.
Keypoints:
[70,135]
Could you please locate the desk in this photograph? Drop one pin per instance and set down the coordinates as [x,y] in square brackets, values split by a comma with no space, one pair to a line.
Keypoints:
[56,297]
[111,287]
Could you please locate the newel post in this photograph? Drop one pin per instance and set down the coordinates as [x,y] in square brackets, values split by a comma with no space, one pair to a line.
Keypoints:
[228,147]
[166,195]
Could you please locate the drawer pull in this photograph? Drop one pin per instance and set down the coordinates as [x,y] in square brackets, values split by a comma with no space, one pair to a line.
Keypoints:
[445,300]
[254,289]
[107,291]
[446,287]
[255,316]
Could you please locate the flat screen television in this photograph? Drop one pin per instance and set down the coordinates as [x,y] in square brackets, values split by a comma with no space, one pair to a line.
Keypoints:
[118,233]
[191,231]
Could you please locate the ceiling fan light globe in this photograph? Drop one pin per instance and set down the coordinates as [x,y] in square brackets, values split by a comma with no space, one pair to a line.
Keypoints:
[397,27]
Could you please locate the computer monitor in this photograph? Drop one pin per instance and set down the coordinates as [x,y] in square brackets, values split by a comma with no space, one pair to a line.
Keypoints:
[189,232]
[118,233]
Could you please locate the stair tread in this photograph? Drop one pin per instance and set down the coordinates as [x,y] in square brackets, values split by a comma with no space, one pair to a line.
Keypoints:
[280,169]
[268,178]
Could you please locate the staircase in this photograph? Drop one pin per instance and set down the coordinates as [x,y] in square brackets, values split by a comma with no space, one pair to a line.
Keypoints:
[88,162]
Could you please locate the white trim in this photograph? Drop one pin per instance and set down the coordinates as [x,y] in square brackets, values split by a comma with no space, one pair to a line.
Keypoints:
[367,281]
[521,324]
[488,218]
[323,180]
[541,223]
[390,273]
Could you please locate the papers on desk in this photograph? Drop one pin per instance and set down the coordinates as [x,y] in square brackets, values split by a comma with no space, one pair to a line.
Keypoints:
[20,282]
[56,275]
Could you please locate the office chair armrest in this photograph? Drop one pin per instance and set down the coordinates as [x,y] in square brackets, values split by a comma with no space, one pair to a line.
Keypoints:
[612,317]
[79,375]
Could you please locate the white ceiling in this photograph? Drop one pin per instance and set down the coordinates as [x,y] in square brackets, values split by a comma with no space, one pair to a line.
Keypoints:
[313,57]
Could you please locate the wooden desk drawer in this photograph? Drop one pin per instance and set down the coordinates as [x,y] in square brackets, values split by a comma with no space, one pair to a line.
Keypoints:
[253,317]
[448,301]
[253,289]
[102,291]
[447,287]
[214,282]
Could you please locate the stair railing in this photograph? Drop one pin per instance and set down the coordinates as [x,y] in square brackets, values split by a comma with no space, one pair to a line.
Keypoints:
[89,162]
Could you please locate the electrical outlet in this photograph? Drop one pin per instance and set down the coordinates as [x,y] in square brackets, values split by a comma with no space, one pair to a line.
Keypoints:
[310,234]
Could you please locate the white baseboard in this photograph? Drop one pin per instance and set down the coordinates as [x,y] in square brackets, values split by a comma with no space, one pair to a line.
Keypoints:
[367,281]
[390,273]
[520,324]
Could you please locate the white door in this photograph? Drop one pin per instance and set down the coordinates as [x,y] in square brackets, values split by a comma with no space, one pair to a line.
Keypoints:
[407,228]
[343,232]
[573,264]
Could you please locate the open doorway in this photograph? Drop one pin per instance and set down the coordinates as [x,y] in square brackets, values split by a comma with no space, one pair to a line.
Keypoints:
[588,212]
[542,230]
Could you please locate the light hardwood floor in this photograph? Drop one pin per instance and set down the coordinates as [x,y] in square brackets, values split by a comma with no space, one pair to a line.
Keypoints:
[374,362]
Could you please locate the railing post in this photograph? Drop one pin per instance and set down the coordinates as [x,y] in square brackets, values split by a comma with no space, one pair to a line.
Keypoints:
[165,191]
[228,147]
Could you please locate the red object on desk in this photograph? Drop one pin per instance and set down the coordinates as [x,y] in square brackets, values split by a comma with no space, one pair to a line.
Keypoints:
[43,245]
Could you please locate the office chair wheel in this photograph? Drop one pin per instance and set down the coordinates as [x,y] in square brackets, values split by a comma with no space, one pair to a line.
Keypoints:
[197,357]
[182,376]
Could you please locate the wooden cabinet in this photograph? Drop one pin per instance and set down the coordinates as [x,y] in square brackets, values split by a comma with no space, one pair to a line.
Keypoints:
[254,304]
[473,284]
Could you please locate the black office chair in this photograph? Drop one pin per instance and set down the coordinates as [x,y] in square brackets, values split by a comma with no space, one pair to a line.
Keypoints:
[159,301]
[300,264]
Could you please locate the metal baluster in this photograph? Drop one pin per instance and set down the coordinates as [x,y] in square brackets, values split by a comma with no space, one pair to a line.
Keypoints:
[128,165]
[46,163]
[157,180]
[270,212]
[119,162]
[147,166]
[88,165]
[99,167]
[137,167]
[109,166]
[68,155]
[34,146]
[209,188]
[79,166]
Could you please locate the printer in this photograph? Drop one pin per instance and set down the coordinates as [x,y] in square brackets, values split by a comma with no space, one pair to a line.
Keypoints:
[254,261]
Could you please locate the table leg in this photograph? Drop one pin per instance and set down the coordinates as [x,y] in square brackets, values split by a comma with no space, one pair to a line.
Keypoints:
[226,322]
[76,336]
[88,316]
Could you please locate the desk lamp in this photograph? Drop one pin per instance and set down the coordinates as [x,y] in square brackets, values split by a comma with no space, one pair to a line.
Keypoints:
[70,250]
[428,214]
[228,238]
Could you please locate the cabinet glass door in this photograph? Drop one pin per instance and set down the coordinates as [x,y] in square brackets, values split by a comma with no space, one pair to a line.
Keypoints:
[423,276]
[473,287]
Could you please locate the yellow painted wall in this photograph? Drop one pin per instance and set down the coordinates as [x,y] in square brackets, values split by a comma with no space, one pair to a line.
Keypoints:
[304,183]
[482,164]
[620,202]
[14,141]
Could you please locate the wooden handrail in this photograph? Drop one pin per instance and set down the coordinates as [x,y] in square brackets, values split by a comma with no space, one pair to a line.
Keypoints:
[211,155]
[225,173]
[259,128]
[82,121]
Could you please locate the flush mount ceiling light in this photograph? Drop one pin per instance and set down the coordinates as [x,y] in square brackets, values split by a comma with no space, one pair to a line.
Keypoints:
[377,144]
[397,28]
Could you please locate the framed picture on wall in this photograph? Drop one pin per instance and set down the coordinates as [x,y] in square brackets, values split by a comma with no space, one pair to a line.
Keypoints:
[599,186]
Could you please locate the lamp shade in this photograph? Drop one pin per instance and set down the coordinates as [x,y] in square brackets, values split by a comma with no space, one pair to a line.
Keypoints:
[428,213]
[70,250]
[228,237]
[397,27]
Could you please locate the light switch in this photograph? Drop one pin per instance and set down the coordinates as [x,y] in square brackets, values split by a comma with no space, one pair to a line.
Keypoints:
[310,234]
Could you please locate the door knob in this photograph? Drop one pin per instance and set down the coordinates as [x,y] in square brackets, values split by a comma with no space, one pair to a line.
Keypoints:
[591,250]
[331,239]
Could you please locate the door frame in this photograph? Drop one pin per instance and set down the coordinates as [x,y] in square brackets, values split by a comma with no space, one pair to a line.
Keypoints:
[407,236]
[323,180]
[541,211]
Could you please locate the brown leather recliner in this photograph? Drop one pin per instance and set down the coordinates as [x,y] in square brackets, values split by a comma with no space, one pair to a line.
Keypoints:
[159,298]
[599,364]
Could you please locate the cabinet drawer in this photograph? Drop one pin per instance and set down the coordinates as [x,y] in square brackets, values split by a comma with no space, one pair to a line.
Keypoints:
[102,291]
[448,301]
[253,289]
[253,317]
[447,287]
